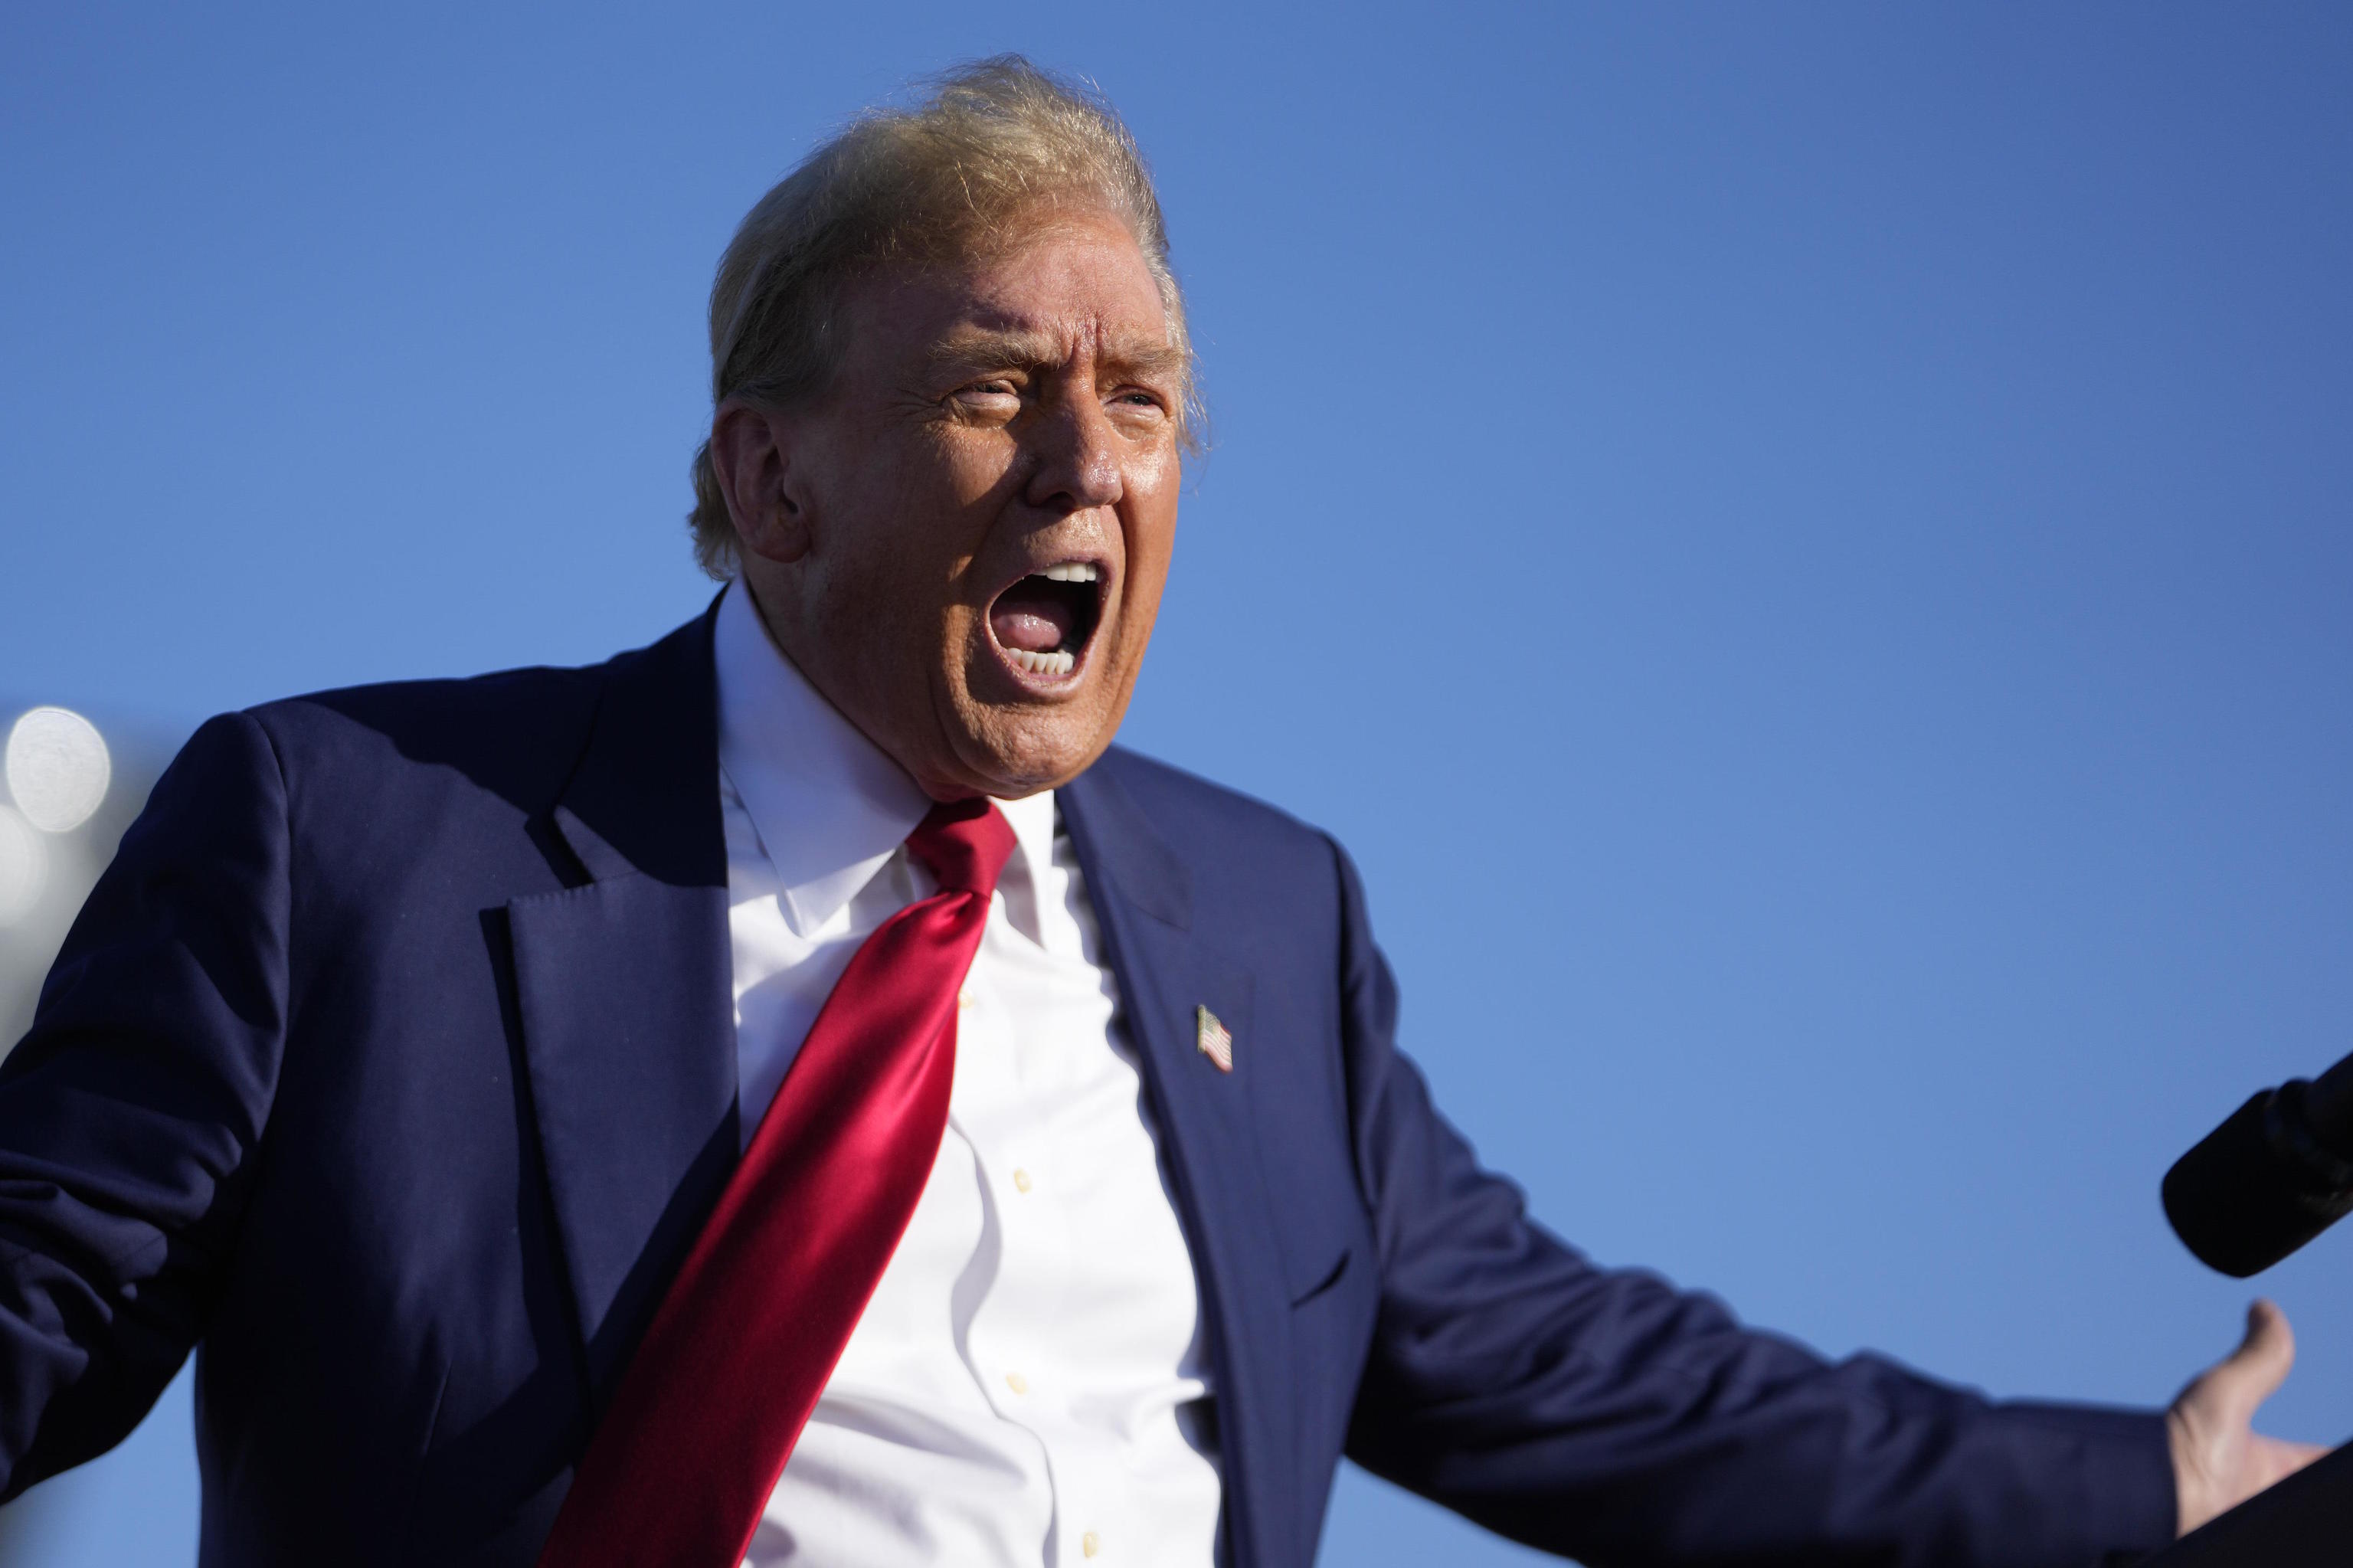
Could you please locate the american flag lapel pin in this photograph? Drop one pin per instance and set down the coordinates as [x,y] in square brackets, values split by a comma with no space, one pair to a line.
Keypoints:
[1216,1043]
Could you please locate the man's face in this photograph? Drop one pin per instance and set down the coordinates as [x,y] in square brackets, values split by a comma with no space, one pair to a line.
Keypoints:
[965,537]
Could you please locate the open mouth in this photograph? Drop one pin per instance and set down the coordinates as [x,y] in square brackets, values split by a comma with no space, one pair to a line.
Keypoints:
[1044,622]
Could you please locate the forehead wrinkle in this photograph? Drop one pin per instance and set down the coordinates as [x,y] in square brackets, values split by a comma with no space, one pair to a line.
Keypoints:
[1147,359]
[1027,347]
[1034,348]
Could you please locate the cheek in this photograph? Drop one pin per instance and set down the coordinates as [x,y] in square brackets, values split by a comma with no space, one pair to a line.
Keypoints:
[1156,474]
[1150,538]
[877,597]
[962,469]
[899,556]
[947,495]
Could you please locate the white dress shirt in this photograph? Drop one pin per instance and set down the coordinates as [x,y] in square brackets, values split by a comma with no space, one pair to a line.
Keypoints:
[1028,1384]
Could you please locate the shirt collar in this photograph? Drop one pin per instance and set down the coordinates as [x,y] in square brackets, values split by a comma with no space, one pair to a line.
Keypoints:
[1023,881]
[831,808]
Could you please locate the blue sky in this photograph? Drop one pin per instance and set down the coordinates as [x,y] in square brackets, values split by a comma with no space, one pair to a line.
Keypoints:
[1804,549]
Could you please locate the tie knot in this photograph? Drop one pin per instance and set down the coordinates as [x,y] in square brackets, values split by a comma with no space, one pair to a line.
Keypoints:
[964,844]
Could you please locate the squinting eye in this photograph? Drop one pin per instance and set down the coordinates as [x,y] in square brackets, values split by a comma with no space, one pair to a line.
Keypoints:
[994,399]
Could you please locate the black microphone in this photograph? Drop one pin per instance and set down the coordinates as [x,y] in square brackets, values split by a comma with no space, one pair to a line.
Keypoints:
[2276,1175]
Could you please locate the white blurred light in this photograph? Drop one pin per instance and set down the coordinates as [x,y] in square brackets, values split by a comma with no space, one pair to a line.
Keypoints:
[24,867]
[58,768]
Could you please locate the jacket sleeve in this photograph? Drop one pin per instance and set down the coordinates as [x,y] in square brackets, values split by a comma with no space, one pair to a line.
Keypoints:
[131,1113]
[1603,1415]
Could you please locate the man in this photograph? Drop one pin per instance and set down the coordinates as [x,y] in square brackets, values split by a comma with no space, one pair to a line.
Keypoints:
[797,1093]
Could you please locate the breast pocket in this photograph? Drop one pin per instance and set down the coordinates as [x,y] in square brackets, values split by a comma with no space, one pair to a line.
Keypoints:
[1308,1278]
[1319,1222]
[1328,1274]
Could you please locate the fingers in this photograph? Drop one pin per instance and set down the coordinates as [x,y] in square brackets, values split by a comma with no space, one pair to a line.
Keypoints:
[2219,1461]
[2253,1372]
[2274,1459]
[2267,1327]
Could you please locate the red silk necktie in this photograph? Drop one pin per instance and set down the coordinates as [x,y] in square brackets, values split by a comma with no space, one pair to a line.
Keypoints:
[710,1406]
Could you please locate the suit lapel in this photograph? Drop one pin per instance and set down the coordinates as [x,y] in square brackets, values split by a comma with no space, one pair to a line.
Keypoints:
[624,996]
[1141,897]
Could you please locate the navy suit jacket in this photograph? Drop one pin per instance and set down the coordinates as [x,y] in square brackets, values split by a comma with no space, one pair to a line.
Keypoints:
[392,1066]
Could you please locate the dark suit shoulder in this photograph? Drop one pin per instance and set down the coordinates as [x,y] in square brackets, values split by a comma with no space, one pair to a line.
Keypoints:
[1258,875]
[516,737]
[1192,810]
[516,732]
[482,722]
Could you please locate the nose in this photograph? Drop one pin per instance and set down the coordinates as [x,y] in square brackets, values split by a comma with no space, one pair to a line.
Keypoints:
[1077,453]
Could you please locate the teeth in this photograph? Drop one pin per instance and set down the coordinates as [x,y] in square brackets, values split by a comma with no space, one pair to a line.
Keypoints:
[1055,663]
[1072,572]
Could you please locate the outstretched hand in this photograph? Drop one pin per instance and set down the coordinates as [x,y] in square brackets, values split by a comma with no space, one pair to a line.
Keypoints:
[2220,1460]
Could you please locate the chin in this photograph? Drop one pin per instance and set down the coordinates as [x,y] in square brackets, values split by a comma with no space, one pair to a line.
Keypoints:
[1009,754]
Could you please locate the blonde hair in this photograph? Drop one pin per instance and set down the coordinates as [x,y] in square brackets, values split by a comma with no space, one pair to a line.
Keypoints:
[950,179]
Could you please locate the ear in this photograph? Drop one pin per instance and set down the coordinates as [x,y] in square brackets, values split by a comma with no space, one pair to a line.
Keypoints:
[751,455]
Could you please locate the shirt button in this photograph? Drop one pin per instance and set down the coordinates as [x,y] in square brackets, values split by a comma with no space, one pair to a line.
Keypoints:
[1091,1543]
[1021,1181]
[964,1000]
[1017,1382]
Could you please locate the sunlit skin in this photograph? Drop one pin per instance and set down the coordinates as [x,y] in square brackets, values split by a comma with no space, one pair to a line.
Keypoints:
[2218,1459]
[986,422]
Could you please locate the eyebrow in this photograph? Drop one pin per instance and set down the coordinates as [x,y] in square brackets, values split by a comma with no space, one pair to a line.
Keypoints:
[1028,350]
